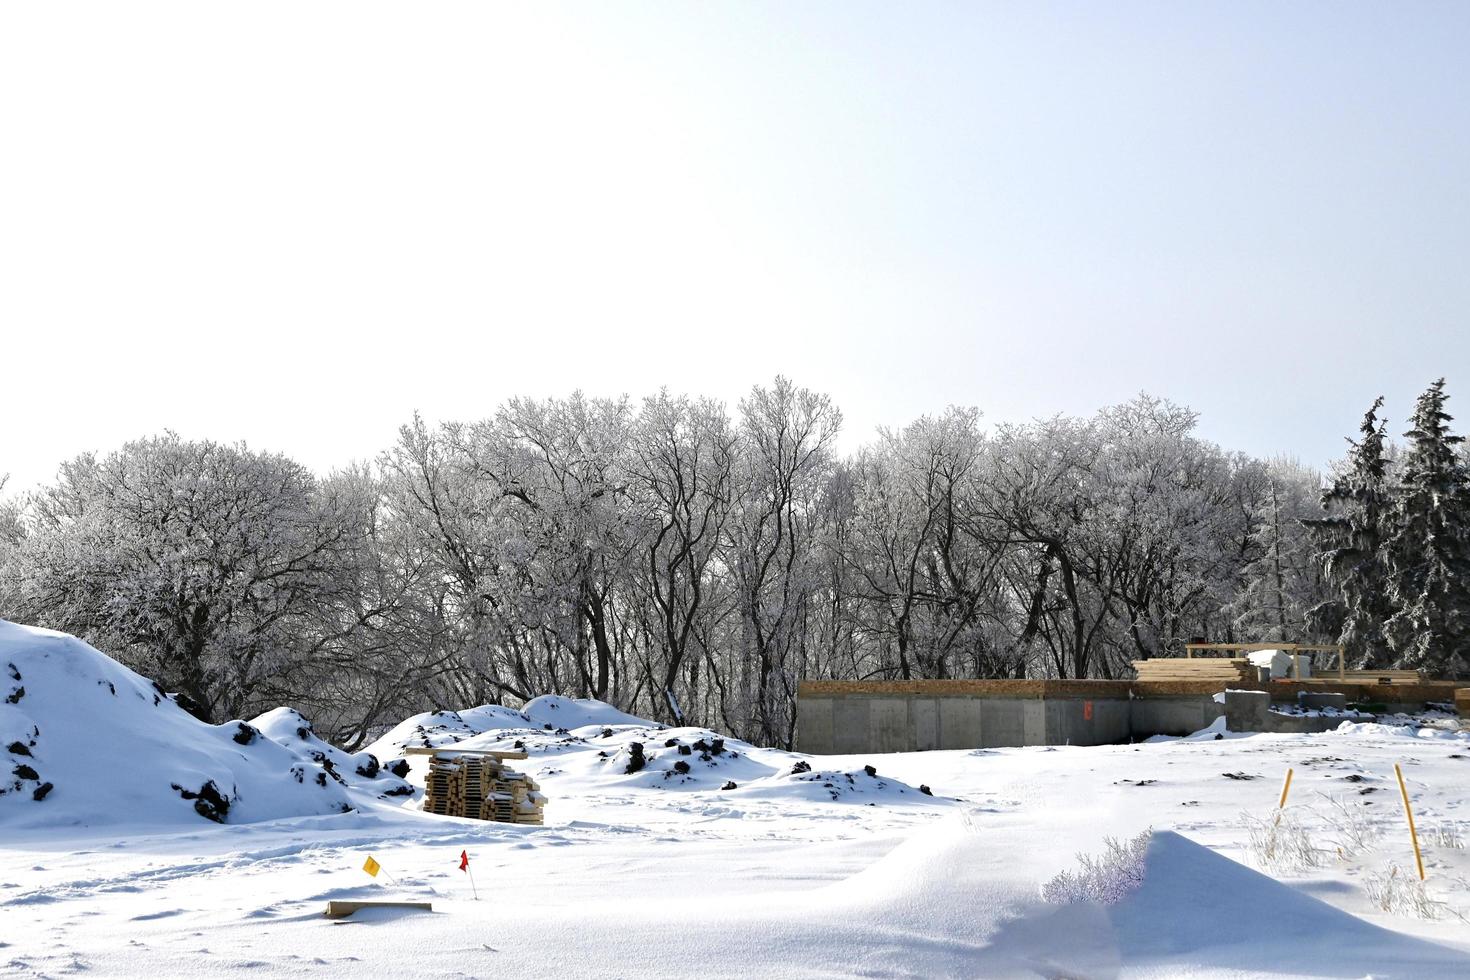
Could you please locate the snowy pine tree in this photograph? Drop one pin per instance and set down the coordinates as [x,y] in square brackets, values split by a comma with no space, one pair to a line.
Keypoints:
[1351,539]
[1428,554]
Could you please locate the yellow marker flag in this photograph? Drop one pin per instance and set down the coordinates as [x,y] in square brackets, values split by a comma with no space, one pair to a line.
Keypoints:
[372,867]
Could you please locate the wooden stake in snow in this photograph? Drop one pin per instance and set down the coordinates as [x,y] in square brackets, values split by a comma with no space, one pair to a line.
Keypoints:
[1286,788]
[1409,812]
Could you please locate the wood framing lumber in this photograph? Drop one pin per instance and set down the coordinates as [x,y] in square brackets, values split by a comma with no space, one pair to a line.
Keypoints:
[451,750]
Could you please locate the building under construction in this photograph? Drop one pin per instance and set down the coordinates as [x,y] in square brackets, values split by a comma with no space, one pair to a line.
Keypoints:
[1170,696]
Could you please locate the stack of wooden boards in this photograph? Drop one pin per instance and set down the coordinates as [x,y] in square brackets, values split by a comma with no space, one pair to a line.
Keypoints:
[476,783]
[1378,676]
[1175,670]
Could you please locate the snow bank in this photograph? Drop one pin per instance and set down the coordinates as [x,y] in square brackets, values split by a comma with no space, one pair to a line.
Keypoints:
[1412,729]
[85,741]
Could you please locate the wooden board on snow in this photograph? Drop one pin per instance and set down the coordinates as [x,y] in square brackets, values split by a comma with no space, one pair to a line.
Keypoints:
[341,909]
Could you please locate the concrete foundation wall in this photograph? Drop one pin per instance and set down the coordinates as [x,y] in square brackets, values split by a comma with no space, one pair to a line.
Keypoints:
[842,724]
[1179,715]
[839,717]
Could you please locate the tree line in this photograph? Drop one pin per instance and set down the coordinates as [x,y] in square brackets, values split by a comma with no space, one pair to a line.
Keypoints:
[693,564]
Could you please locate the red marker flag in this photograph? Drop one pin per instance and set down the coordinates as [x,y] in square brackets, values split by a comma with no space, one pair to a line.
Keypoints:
[464,865]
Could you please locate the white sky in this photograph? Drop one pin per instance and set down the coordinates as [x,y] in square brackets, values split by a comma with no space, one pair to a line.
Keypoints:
[295,224]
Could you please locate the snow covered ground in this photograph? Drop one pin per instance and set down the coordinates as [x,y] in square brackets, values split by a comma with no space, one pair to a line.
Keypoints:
[649,866]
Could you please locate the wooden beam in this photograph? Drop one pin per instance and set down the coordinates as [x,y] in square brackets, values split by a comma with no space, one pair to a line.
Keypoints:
[341,910]
[1300,647]
[451,750]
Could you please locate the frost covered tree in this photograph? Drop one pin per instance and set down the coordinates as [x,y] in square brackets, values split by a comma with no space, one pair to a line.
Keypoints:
[374,644]
[1162,544]
[786,448]
[10,527]
[201,564]
[921,578]
[561,467]
[1428,552]
[1351,538]
[1037,499]
[1117,535]
[11,532]
[1283,579]
[680,560]
[465,532]
[682,474]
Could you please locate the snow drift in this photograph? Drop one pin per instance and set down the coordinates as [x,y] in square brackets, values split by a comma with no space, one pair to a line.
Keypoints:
[85,741]
[1198,912]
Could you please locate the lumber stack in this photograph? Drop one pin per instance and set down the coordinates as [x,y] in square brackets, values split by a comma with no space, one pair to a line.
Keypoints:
[1178,669]
[479,785]
[1380,676]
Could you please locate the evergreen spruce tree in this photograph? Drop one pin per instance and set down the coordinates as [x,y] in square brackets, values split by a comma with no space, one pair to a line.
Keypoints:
[1351,539]
[1428,554]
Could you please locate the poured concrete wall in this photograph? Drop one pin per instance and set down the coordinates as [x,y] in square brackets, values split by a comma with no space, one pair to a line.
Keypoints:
[1176,715]
[836,724]
[903,723]
[835,717]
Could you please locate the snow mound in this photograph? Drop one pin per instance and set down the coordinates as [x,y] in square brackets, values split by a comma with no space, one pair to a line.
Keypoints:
[548,713]
[361,772]
[84,741]
[648,755]
[589,744]
[436,729]
[551,711]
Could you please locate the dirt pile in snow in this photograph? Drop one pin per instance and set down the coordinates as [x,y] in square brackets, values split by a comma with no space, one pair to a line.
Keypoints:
[85,741]
[592,744]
